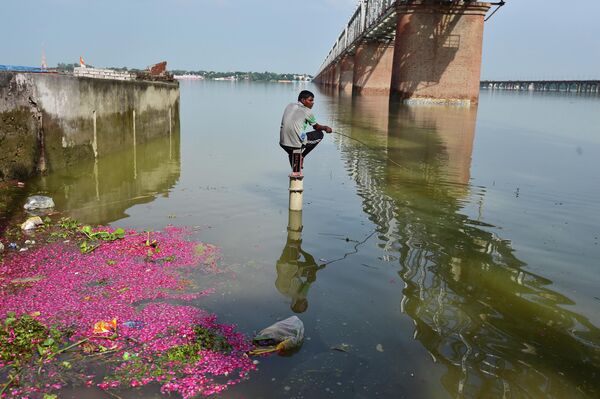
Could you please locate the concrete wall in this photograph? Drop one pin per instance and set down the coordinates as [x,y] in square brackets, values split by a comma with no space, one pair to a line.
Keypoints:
[51,121]
[19,143]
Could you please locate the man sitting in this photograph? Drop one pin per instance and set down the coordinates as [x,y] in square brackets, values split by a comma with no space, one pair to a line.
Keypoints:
[293,135]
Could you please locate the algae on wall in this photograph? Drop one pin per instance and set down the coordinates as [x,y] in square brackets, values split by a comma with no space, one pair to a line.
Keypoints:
[52,121]
[19,147]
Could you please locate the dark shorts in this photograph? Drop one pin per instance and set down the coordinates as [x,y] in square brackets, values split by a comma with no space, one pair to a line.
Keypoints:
[312,139]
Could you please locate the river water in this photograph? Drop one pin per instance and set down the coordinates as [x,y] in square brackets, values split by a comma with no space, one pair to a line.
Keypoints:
[444,252]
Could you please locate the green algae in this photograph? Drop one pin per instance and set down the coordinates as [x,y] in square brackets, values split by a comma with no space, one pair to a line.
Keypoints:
[204,339]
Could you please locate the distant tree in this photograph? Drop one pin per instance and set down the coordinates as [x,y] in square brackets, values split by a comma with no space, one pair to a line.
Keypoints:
[64,67]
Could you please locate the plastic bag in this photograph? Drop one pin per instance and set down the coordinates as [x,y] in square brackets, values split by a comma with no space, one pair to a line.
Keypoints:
[38,202]
[31,223]
[284,335]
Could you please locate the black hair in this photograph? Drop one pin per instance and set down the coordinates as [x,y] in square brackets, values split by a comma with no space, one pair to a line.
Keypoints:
[305,94]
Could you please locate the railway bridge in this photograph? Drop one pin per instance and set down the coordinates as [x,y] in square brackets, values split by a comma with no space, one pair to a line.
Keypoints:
[575,86]
[420,50]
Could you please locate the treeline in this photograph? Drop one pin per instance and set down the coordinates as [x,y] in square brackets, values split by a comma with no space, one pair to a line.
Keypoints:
[238,75]
[63,67]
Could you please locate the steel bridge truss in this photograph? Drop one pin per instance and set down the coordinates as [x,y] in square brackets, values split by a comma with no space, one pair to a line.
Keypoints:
[373,20]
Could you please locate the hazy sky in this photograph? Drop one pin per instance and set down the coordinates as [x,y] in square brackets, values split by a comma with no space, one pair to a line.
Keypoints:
[525,39]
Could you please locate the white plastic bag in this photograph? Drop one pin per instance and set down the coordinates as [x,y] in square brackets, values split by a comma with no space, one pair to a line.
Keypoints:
[38,202]
[31,223]
[285,334]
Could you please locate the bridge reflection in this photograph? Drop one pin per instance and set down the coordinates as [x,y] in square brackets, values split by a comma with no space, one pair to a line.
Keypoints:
[497,328]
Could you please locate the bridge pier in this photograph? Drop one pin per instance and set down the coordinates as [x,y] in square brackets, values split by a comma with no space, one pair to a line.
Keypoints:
[326,76]
[336,74]
[329,76]
[347,73]
[373,63]
[438,50]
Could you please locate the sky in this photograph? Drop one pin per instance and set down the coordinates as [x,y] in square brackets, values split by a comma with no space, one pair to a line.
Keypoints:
[526,39]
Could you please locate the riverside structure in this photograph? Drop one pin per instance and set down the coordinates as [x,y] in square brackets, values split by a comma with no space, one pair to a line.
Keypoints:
[575,86]
[50,121]
[422,51]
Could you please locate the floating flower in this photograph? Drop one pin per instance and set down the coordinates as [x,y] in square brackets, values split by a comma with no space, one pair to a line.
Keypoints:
[180,347]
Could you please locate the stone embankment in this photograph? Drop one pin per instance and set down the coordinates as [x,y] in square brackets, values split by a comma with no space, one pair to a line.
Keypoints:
[50,121]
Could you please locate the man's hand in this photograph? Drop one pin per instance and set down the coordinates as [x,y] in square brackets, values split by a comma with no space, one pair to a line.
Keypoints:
[322,127]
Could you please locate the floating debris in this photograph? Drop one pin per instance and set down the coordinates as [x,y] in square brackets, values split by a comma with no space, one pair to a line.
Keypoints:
[73,309]
[32,223]
[282,336]
[341,348]
[38,202]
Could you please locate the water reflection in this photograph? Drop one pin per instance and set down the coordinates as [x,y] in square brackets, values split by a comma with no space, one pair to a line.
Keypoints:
[296,268]
[100,192]
[499,329]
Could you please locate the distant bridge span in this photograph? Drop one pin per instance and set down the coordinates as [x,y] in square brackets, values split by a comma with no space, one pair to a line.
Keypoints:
[423,50]
[575,86]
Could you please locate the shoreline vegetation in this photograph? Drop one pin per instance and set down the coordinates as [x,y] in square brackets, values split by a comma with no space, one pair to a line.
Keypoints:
[213,75]
[111,309]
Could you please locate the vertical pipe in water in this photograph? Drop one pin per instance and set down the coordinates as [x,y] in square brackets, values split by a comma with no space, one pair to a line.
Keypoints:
[296,190]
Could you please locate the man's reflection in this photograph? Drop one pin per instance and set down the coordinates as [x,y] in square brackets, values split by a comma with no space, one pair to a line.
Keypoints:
[296,268]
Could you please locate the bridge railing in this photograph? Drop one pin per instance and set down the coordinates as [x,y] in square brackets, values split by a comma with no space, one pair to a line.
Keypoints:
[375,9]
[367,14]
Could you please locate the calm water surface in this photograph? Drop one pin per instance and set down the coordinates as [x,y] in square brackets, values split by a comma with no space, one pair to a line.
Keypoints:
[444,253]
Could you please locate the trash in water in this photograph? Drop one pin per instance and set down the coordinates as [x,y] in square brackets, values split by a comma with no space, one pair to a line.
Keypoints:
[31,223]
[105,326]
[12,245]
[27,280]
[280,337]
[341,348]
[133,324]
[38,202]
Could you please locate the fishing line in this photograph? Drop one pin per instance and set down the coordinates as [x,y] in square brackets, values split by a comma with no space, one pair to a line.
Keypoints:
[389,159]
[367,146]
[355,251]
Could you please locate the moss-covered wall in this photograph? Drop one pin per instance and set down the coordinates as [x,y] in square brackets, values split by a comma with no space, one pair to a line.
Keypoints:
[51,121]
